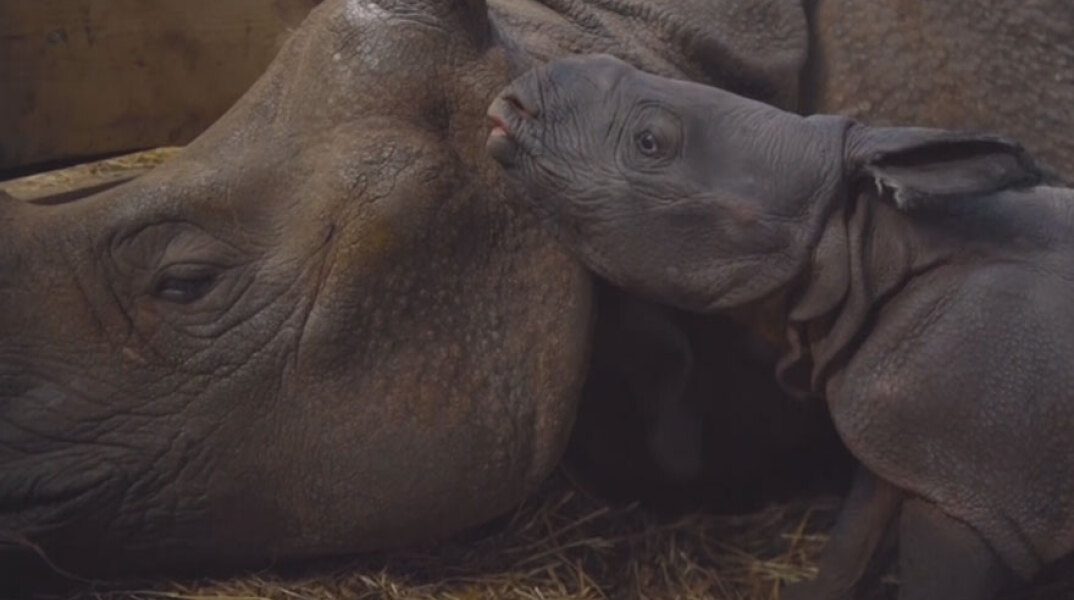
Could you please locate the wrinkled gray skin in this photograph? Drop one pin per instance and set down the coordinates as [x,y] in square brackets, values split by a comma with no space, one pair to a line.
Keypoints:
[922,278]
[407,356]
[323,328]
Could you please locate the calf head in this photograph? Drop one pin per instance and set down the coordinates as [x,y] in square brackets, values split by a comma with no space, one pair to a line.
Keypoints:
[700,198]
[664,187]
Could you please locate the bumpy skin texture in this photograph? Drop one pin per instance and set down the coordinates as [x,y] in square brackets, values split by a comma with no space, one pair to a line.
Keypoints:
[323,328]
[884,61]
[921,277]
[993,65]
[346,381]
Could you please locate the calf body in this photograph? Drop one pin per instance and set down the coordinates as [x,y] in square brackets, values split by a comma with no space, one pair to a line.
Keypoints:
[952,380]
[921,277]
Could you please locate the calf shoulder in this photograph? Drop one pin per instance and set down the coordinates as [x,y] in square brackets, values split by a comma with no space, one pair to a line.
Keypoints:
[961,389]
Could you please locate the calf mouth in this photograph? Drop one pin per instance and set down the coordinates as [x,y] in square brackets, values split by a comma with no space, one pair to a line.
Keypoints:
[509,117]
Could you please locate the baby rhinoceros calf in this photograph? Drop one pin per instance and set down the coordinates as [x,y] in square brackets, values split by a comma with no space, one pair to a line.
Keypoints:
[924,278]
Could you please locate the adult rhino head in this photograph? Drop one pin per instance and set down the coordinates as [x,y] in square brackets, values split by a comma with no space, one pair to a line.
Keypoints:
[323,327]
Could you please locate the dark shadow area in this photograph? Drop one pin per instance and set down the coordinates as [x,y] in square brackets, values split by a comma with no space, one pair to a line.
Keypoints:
[757,444]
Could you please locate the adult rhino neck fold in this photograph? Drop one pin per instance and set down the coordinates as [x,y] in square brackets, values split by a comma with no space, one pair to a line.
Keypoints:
[753,49]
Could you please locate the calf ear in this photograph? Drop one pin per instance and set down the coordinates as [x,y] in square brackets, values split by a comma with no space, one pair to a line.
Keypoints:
[921,166]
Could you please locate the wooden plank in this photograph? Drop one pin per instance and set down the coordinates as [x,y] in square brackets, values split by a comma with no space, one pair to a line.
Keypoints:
[87,78]
[92,185]
[72,183]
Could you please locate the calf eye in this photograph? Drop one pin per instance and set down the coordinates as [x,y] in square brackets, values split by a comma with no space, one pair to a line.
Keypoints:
[185,284]
[647,143]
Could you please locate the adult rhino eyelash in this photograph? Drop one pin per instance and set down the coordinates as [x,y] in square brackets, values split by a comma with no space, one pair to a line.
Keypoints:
[185,283]
[184,291]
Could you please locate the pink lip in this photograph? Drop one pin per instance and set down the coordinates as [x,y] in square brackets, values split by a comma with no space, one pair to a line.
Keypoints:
[498,124]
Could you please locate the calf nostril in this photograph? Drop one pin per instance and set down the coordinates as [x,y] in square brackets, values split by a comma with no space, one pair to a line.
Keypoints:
[519,107]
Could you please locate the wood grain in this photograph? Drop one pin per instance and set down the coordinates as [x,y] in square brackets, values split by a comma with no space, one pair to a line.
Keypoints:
[86,78]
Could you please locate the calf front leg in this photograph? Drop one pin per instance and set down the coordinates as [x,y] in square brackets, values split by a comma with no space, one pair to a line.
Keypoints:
[869,509]
[940,557]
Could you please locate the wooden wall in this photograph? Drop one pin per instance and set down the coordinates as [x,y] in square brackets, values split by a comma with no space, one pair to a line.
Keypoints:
[86,78]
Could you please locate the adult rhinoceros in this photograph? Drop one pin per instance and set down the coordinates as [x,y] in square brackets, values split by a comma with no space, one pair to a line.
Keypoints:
[324,327]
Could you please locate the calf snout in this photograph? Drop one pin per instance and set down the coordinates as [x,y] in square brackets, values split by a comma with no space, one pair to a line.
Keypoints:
[599,73]
[525,108]
[558,89]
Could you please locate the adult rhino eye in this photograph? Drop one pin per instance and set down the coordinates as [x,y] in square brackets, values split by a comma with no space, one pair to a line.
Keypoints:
[647,143]
[185,284]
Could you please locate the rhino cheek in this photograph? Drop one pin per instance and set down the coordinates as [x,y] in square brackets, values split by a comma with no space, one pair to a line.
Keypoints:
[417,375]
[123,434]
[439,378]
